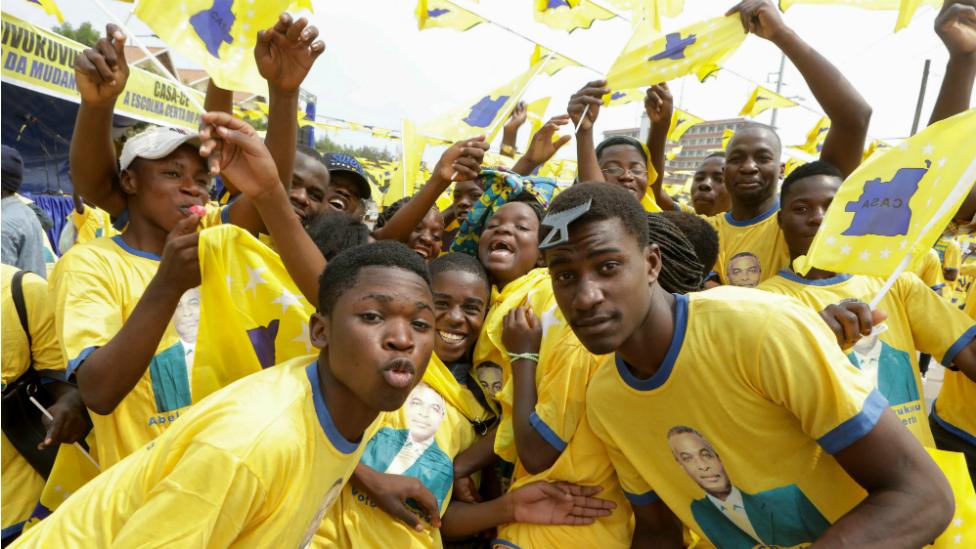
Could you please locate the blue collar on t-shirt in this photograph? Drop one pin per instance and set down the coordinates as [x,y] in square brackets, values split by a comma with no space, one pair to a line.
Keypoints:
[664,371]
[322,411]
[761,217]
[836,279]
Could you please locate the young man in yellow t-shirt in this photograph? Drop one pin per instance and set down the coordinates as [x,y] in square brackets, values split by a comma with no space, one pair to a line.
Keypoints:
[732,408]
[917,319]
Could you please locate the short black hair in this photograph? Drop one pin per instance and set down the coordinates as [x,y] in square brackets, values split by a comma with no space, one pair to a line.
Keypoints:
[621,140]
[716,154]
[810,169]
[334,232]
[607,202]
[341,273]
[309,151]
[388,212]
[702,236]
[758,125]
[457,261]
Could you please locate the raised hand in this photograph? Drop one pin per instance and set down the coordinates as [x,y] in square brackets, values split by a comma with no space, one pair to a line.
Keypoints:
[179,268]
[462,160]
[101,72]
[542,147]
[850,320]
[956,26]
[588,98]
[286,52]
[761,18]
[559,503]
[658,104]
[391,492]
[522,331]
[517,118]
[69,423]
[235,150]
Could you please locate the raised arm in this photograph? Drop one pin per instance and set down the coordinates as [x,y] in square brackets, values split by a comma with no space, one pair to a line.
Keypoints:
[588,99]
[849,113]
[886,518]
[542,147]
[100,74]
[956,26]
[461,161]
[659,105]
[511,128]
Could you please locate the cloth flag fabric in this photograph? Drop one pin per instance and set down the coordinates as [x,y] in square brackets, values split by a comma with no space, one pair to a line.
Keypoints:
[962,529]
[682,121]
[896,203]
[649,10]
[49,7]
[569,15]
[906,8]
[726,137]
[650,57]
[219,35]
[816,136]
[252,315]
[480,115]
[446,15]
[875,146]
[536,113]
[554,64]
[70,472]
[623,97]
[673,153]
[404,178]
[763,99]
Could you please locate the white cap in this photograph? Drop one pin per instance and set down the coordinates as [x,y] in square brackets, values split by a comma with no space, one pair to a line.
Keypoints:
[154,143]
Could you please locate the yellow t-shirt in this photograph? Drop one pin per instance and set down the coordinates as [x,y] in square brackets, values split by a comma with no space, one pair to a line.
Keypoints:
[959,294]
[562,376]
[953,409]
[752,415]
[749,251]
[247,467]
[420,440]
[95,287]
[950,253]
[91,223]
[22,485]
[891,359]
[929,269]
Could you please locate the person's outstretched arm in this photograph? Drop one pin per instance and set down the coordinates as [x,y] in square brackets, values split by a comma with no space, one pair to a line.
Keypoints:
[658,104]
[849,113]
[588,99]
[956,26]
[542,147]
[510,129]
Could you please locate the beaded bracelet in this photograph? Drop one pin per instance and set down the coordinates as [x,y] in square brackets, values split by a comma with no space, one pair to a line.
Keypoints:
[534,357]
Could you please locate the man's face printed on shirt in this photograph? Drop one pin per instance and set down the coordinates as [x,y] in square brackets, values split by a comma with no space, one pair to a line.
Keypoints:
[425,411]
[701,463]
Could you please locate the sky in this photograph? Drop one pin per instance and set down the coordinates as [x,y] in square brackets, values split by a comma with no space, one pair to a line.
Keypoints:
[378,67]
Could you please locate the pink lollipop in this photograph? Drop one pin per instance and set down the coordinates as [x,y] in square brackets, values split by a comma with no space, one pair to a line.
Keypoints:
[198,211]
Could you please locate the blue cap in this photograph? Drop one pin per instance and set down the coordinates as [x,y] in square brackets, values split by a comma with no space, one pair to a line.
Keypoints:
[341,162]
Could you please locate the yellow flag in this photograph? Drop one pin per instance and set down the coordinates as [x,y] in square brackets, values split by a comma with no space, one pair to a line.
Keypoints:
[569,15]
[726,137]
[219,35]
[876,145]
[674,152]
[536,113]
[649,10]
[791,164]
[763,99]
[555,62]
[49,7]
[682,121]
[252,315]
[404,178]
[896,203]
[816,137]
[480,115]
[906,8]
[622,97]
[446,15]
[962,529]
[71,470]
[650,57]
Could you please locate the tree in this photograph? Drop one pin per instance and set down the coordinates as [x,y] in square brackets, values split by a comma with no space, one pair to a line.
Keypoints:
[326,144]
[85,33]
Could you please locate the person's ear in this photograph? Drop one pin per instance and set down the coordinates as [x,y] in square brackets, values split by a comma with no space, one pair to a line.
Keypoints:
[653,261]
[318,330]
[540,261]
[782,170]
[127,181]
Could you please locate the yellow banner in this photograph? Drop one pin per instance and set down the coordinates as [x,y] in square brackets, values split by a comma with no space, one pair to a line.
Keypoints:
[42,61]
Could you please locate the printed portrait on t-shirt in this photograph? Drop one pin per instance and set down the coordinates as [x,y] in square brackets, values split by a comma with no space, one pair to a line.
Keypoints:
[891,370]
[744,270]
[732,518]
[171,370]
[414,451]
[489,376]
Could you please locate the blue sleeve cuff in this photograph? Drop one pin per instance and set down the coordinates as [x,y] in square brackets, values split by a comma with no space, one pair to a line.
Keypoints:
[855,428]
[958,346]
[646,498]
[122,220]
[712,276]
[225,214]
[73,364]
[938,287]
[546,432]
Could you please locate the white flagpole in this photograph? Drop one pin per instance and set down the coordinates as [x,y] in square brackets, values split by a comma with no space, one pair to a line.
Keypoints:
[76,445]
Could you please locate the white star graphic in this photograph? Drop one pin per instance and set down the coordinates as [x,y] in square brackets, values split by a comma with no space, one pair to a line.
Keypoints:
[903,244]
[957,539]
[885,253]
[287,299]
[941,163]
[304,337]
[549,319]
[903,146]
[927,149]
[254,278]
[957,522]
[845,249]
[831,240]
[865,255]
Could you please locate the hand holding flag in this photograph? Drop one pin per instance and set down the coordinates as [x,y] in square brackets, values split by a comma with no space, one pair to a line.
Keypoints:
[461,161]
[658,104]
[584,105]
[242,156]
[760,17]
[286,52]
[101,72]
[542,147]
[956,26]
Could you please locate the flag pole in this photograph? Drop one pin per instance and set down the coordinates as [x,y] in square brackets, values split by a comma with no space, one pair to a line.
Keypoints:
[76,445]
[152,58]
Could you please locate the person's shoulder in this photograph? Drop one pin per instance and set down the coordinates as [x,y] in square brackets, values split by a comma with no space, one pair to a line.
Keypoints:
[736,298]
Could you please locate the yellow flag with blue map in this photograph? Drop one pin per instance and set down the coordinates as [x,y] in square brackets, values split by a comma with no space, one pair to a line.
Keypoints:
[536,113]
[446,15]
[816,137]
[569,15]
[404,178]
[555,62]
[252,315]
[682,121]
[622,97]
[219,35]
[762,100]
[896,203]
[71,470]
[651,57]
[906,8]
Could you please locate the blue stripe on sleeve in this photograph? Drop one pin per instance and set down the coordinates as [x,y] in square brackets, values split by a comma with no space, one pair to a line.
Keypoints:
[546,432]
[225,214]
[958,346]
[646,498]
[73,364]
[856,427]
[504,543]
[963,435]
